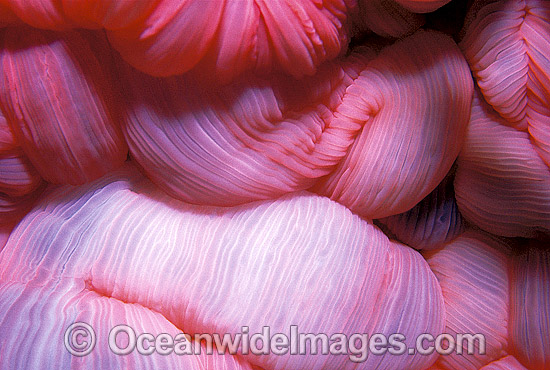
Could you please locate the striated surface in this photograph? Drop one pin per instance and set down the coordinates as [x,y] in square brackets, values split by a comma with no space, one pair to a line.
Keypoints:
[254,139]
[473,274]
[164,38]
[530,306]
[376,128]
[301,260]
[501,183]
[42,311]
[430,224]
[399,156]
[507,47]
[234,36]
[20,184]
[17,175]
[57,96]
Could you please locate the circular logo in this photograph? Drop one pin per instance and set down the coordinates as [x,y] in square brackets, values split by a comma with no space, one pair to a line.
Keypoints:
[80,339]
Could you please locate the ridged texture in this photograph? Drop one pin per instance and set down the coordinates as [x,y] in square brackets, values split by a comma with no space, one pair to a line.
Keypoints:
[413,126]
[387,18]
[165,38]
[530,307]
[473,274]
[505,363]
[18,181]
[501,184]
[507,47]
[56,92]
[17,175]
[36,315]
[300,260]
[254,139]
[378,134]
[233,36]
[430,224]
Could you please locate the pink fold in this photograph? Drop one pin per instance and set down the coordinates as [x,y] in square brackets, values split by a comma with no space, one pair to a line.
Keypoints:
[530,306]
[473,271]
[501,183]
[57,91]
[300,260]
[257,138]
[507,46]
[414,103]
